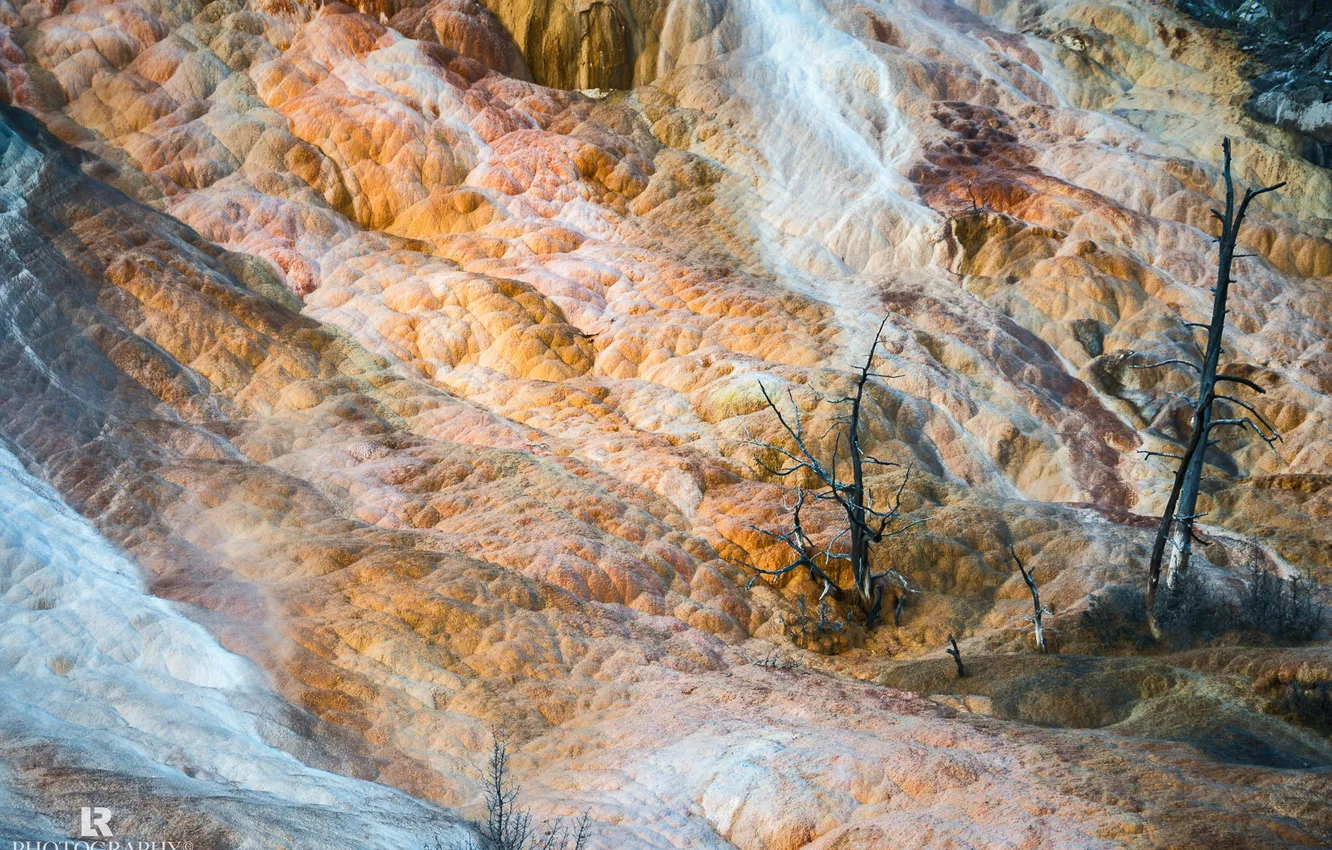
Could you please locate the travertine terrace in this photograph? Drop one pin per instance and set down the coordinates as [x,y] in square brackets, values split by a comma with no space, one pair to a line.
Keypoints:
[373,376]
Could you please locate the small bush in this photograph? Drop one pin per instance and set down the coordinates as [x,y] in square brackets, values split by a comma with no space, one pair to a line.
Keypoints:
[1307,705]
[826,634]
[1193,612]
[1282,608]
[1116,615]
[1197,611]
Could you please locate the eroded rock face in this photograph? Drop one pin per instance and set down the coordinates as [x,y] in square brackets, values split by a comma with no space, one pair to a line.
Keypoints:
[1292,45]
[567,44]
[585,45]
[427,389]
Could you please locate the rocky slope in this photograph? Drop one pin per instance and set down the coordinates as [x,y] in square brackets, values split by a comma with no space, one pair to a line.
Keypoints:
[393,396]
[1291,43]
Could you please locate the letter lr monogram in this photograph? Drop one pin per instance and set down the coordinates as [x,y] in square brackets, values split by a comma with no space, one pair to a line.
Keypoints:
[96,822]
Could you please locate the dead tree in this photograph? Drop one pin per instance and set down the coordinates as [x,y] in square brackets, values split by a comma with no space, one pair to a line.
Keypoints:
[1038,612]
[508,827]
[1176,531]
[957,658]
[582,832]
[841,568]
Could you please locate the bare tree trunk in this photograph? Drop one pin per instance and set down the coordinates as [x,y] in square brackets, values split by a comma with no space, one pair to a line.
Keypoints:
[1179,548]
[1181,538]
[1038,612]
[957,658]
[871,594]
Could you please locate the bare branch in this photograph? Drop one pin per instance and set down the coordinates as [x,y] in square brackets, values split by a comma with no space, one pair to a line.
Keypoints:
[1247,422]
[1249,196]
[798,541]
[1174,360]
[894,511]
[898,532]
[1148,453]
[1250,408]
[874,461]
[583,831]
[1236,379]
